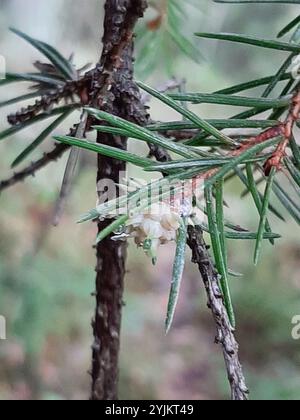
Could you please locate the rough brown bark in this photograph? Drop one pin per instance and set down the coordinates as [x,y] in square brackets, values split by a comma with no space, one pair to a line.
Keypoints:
[113,90]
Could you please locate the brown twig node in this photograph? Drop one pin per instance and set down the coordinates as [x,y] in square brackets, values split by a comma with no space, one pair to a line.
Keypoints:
[287,131]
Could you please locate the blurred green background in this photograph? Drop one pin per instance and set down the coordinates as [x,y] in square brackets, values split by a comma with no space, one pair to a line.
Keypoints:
[47,274]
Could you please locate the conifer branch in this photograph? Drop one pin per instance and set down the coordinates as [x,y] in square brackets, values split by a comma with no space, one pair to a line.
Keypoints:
[225,335]
[34,167]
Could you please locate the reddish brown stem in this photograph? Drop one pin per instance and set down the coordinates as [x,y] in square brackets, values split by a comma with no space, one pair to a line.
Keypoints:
[287,131]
